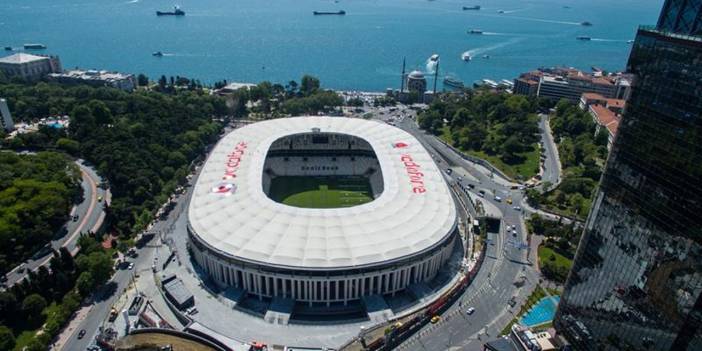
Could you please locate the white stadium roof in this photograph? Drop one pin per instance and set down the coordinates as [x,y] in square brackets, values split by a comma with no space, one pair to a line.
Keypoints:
[242,222]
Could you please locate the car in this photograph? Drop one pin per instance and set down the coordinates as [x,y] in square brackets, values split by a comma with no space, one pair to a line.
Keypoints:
[81,333]
[514,233]
[517,208]
[131,265]
[470,311]
[498,199]
[435,319]
[100,198]
[472,186]
[75,218]
[514,226]
[459,178]
[509,200]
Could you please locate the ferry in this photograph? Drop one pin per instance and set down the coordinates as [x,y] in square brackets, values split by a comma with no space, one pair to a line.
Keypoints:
[176,12]
[453,82]
[35,46]
[583,37]
[434,58]
[475,31]
[157,54]
[320,13]
[466,56]
[467,8]
[586,24]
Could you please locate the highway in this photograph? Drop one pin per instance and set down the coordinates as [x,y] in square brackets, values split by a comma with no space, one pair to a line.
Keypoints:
[552,164]
[505,264]
[90,216]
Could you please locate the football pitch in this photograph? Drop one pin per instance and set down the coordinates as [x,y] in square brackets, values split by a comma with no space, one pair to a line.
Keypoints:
[321,192]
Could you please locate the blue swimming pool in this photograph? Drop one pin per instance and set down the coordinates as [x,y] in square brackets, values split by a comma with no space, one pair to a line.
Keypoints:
[542,312]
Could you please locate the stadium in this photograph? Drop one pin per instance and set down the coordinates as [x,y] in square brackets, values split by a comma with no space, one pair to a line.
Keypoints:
[320,211]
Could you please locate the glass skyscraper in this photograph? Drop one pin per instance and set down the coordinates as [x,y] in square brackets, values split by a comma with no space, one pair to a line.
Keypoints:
[636,282]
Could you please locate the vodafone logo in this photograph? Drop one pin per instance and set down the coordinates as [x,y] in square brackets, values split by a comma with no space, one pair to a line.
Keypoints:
[416,177]
[399,145]
[232,164]
[224,189]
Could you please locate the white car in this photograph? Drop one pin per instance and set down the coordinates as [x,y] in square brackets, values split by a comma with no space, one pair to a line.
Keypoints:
[470,311]
[498,199]
[131,265]
[517,208]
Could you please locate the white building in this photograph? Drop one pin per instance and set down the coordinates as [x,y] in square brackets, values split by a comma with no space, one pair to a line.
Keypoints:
[96,78]
[243,238]
[6,121]
[29,67]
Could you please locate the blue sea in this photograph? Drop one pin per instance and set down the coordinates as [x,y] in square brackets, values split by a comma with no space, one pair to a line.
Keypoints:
[280,40]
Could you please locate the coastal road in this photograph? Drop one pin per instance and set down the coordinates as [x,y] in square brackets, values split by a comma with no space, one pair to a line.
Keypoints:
[552,163]
[90,214]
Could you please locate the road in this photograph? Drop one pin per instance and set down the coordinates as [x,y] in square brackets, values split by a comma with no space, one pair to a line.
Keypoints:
[104,300]
[90,216]
[506,261]
[552,163]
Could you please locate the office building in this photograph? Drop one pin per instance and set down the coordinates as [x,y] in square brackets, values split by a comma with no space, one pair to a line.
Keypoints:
[569,83]
[636,282]
[29,67]
[6,121]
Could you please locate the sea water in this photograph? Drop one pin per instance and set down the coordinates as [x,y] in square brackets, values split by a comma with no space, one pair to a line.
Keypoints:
[280,40]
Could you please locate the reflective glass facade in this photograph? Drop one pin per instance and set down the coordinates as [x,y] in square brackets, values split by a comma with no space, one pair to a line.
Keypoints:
[636,283]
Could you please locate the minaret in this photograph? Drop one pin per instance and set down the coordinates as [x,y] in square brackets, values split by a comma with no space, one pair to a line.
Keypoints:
[402,83]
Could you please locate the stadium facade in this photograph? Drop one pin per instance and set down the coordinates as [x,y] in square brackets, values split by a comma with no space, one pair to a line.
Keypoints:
[244,239]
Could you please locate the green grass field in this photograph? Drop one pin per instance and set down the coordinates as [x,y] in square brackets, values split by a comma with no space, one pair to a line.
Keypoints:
[321,192]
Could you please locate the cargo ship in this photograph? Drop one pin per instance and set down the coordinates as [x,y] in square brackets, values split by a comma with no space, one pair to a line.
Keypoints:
[467,8]
[321,13]
[35,46]
[176,12]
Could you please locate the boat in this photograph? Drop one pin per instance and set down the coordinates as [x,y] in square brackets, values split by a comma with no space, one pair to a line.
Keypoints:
[320,13]
[8,48]
[501,11]
[434,58]
[466,56]
[475,31]
[157,54]
[476,7]
[176,12]
[486,56]
[453,82]
[35,46]
[630,41]
[586,24]
[583,37]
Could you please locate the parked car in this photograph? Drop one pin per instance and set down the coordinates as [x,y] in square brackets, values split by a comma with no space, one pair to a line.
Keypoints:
[131,265]
[470,311]
[81,333]
[435,319]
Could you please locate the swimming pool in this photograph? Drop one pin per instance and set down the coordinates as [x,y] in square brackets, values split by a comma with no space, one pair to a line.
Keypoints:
[542,312]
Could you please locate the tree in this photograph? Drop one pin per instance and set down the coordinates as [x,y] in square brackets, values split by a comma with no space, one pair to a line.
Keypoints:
[8,306]
[142,80]
[85,284]
[308,85]
[70,146]
[32,306]
[7,339]
[99,264]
